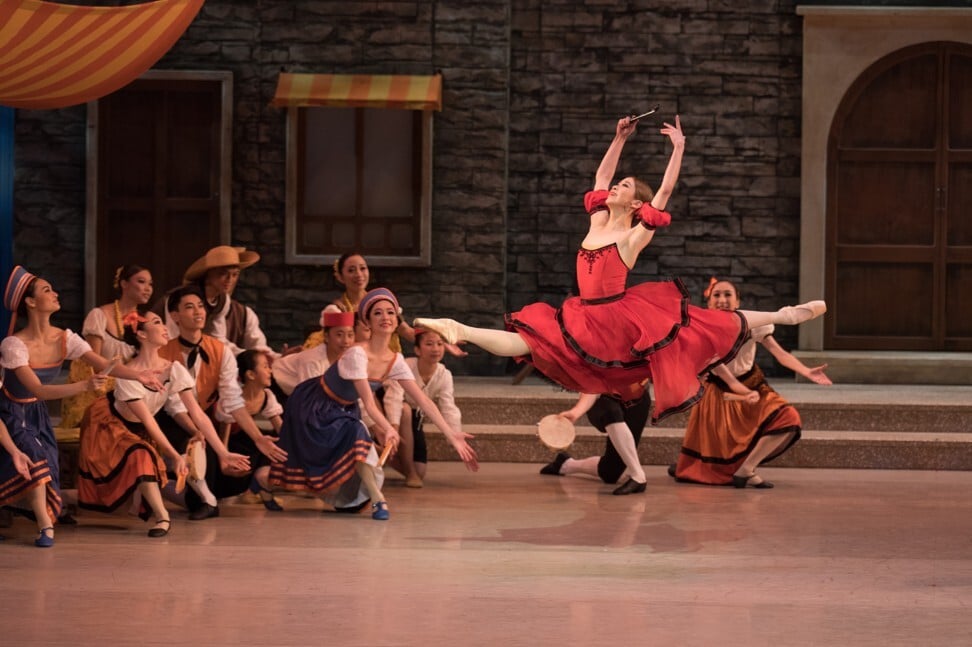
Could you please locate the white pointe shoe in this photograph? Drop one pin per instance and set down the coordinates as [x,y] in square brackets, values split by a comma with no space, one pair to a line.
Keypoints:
[448,329]
[793,315]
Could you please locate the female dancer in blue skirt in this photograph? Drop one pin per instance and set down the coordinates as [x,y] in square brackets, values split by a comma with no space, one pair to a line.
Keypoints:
[329,450]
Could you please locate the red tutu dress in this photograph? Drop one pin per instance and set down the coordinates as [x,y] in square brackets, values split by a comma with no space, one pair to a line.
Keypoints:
[609,339]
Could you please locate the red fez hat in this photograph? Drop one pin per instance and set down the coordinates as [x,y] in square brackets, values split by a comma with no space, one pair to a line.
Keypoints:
[332,319]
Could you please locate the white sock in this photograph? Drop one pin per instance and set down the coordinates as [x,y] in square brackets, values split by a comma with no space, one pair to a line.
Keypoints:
[202,489]
[624,443]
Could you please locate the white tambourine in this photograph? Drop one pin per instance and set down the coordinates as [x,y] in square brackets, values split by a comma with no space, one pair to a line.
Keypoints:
[556,432]
[196,462]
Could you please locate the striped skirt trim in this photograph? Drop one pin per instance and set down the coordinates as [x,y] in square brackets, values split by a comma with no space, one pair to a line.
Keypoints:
[301,479]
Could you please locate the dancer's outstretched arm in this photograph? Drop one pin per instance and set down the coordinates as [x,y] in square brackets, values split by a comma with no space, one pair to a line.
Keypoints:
[652,215]
[609,164]
[787,359]
[664,191]
[457,438]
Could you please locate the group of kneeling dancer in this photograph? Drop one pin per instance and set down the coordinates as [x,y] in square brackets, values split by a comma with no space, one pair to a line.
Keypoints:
[187,403]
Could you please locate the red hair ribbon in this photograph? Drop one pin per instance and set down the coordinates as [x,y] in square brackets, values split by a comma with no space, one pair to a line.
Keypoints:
[708,290]
[132,319]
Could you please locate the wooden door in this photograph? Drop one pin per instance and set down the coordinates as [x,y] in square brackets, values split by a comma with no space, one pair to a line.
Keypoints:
[899,205]
[160,178]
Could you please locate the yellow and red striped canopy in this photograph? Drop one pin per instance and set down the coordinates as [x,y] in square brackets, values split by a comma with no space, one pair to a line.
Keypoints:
[56,55]
[360,91]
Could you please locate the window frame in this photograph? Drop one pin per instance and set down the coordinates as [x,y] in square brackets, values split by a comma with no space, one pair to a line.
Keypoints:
[294,147]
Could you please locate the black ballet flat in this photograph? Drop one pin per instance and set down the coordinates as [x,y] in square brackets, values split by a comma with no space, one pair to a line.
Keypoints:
[671,470]
[744,481]
[160,532]
[352,509]
[553,468]
[630,486]
[206,511]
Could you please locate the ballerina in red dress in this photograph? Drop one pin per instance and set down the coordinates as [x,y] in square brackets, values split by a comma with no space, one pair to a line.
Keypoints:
[610,338]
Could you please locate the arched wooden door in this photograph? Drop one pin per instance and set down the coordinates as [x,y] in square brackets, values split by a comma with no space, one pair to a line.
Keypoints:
[899,205]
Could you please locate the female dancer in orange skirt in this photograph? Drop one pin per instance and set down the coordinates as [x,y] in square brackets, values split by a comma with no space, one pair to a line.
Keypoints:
[121,442]
[610,337]
[728,438]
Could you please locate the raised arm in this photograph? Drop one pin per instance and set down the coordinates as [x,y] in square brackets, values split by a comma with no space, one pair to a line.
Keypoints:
[664,191]
[609,164]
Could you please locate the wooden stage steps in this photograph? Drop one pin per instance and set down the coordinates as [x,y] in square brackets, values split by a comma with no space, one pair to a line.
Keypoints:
[844,425]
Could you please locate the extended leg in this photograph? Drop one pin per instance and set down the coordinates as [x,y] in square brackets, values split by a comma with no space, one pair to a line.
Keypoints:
[787,316]
[584,466]
[497,342]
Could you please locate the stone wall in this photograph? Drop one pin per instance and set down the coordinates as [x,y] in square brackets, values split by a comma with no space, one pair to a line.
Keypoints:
[532,91]
[731,70]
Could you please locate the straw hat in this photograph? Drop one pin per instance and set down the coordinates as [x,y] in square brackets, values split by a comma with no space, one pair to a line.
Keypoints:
[13,294]
[221,256]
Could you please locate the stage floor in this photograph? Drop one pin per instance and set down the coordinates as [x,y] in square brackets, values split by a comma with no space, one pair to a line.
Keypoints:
[508,557]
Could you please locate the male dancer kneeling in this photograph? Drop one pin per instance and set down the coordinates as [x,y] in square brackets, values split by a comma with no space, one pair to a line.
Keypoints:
[623,426]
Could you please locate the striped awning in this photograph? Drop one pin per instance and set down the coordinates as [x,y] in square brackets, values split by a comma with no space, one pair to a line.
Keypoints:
[56,55]
[359,91]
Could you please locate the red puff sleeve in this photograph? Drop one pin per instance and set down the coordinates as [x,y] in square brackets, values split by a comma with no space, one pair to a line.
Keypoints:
[651,217]
[594,201]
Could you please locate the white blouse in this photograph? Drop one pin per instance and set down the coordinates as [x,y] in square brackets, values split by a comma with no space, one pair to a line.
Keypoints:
[746,357]
[440,388]
[291,370]
[96,325]
[15,353]
[271,409]
[175,378]
[353,365]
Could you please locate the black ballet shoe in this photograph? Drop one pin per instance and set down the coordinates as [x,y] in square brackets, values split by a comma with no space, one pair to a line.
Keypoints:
[67,519]
[630,486]
[160,532]
[671,470]
[266,496]
[553,468]
[743,481]
[206,511]
[353,509]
